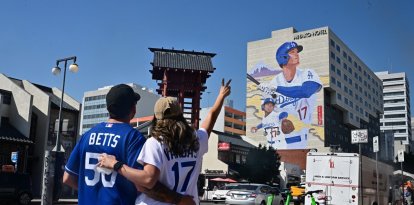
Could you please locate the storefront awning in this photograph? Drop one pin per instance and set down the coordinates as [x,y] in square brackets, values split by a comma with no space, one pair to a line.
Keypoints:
[10,134]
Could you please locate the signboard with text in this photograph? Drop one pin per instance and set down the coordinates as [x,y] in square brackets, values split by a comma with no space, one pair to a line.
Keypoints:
[359,136]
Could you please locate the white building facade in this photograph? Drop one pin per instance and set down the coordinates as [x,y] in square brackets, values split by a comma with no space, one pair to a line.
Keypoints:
[397,113]
[94,105]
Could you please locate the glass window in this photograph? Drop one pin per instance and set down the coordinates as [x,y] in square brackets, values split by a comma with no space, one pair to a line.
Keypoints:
[338,48]
[332,68]
[332,43]
[332,55]
[339,96]
[338,60]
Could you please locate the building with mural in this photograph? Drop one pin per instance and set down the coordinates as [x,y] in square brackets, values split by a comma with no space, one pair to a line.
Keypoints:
[308,90]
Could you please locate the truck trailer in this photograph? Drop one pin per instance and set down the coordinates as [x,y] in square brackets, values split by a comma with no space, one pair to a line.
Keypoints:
[338,176]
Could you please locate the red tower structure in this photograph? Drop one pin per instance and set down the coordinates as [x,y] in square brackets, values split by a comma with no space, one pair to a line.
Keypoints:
[182,74]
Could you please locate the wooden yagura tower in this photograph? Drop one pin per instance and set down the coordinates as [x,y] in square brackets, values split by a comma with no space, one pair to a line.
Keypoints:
[182,74]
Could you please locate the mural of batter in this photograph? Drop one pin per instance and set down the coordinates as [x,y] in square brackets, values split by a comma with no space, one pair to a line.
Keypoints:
[294,91]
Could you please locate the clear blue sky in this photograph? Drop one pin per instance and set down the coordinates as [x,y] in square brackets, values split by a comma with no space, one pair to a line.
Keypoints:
[111,38]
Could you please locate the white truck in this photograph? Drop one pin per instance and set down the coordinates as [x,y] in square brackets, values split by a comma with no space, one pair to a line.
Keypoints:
[337,175]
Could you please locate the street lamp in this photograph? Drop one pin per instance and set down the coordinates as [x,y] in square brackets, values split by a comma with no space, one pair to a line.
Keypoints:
[54,160]
[56,71]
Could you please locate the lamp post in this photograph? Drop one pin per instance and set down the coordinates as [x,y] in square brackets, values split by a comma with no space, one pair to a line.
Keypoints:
[56,71]
[53,164]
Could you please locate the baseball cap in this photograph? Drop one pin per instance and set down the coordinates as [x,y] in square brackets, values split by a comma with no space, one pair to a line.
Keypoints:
[167,107]
[120,98]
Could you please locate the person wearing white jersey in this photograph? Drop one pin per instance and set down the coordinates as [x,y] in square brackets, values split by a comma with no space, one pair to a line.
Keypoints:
[295,91]
[271,124]
[173,154]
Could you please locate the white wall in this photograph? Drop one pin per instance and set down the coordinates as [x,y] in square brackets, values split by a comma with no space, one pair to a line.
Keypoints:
[20,108]
[210,159]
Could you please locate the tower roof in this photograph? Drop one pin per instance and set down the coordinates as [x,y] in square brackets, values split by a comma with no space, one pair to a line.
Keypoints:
[181,59]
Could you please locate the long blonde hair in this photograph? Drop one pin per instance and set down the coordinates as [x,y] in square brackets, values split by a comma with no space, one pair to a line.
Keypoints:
[176,134]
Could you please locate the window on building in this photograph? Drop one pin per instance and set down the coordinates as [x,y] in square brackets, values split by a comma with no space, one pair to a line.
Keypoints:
[351,115]
[395,101]
[332,55]
[350,59]
[338,83]
[4,121]
[394,123]
[332,43]
[395,116]
[338,60]
[394,93]
[338,48]
[339,96]
[338,72]
[345,89]
[6,96]
[333,80]
[392,79]
[333,68]
[344,55]
[394,108]
[345,77]
[350,92]
[346,100]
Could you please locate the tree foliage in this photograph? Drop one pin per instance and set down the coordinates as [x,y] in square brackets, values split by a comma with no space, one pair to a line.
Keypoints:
[262,165]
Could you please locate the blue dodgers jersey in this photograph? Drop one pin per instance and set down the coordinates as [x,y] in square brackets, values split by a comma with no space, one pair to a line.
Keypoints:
[96,186]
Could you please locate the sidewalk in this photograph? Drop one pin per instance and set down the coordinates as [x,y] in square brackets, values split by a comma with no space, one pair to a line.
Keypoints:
[61,201]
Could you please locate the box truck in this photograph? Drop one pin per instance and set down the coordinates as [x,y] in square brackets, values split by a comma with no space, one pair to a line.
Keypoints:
[338,176]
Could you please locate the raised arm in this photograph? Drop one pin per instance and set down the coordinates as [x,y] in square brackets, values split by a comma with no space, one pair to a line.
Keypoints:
[212,115]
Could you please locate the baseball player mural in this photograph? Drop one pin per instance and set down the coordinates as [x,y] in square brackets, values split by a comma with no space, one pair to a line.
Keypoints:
[293,97]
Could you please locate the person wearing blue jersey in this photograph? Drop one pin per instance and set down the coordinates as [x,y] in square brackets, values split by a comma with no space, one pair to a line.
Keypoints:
[99,186]
[174,152]
[295,91]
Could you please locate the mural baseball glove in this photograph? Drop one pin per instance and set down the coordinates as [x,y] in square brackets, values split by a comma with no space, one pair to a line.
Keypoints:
[287,126]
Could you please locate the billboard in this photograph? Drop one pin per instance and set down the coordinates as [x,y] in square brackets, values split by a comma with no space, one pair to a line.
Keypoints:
[285,101]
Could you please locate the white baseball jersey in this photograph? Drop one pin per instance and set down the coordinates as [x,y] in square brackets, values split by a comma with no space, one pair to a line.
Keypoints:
[179,173]
[298,106]
[271,126]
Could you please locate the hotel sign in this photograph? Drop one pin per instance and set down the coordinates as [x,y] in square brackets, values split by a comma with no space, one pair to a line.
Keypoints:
[320,32]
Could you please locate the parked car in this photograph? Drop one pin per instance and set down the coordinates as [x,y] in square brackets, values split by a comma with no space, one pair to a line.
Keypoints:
[253,194]
[15,187]
[220,193]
